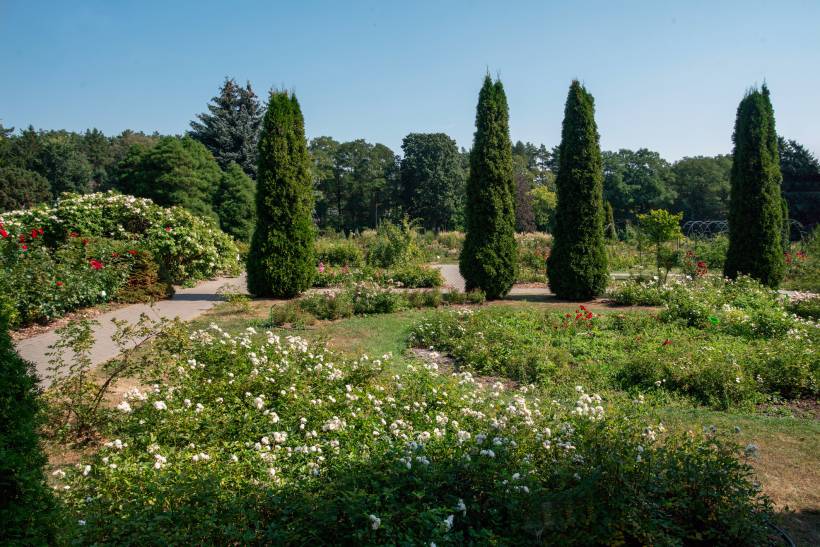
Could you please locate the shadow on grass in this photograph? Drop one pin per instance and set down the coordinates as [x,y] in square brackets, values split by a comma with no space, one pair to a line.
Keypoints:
[803,527]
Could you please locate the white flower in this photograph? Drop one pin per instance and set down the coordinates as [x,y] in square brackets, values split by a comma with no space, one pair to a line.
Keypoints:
[160,405]
[461,507]
[124,407]
[487,452]
[199,408]
[259,403]
[448,522]
[86,470]
[60,474]
[375,522]
[81,522]
[159,461]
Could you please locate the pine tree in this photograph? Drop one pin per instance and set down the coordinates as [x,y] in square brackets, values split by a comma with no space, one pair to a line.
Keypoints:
[611,230]
[755,210]
[281,262]
[27,509]
[577,264]
[235,203]
[230,128]
[488,259]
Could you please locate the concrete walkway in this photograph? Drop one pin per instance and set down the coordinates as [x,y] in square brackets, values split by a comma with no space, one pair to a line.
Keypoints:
[186,304]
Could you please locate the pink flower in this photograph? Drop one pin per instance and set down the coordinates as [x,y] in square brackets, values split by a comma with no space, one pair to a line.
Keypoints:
[321,267]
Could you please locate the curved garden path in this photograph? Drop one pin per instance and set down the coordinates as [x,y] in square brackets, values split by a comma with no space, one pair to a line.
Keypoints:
[186,304]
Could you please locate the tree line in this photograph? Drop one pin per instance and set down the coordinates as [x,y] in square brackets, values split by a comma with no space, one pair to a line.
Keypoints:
[212,170]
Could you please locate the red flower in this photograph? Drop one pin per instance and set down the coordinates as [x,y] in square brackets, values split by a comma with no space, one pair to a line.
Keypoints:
[4,233]
[132,252]
[85,241]
[167,228]
[33,234]
[40,231]
[24,247]
[568,315]
[95,264]
[73,234]
[115,255]
[667,342]
[22,238]
[59,283]
[589,315]
[583,307]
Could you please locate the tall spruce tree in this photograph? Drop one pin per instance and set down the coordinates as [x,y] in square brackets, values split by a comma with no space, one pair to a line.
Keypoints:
[281,261]
[235,203]
[755,209]
[27,508]
[577,264]
[230,128]
[488,259]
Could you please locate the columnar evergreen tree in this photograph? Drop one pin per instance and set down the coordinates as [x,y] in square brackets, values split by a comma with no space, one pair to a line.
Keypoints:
[611,231]
[577,265]
[488,259]
[281,261]
[230,128]
[755,210]
[27,509]
[235,203]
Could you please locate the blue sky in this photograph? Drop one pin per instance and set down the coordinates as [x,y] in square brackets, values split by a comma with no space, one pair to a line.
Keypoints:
[665,75]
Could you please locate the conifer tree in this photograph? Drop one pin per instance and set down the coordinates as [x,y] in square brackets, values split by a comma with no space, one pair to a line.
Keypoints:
[281,261]
[235,203]
[755,210]
[488,259]
[577,264]
[611,231]
[27,508]
[230,128]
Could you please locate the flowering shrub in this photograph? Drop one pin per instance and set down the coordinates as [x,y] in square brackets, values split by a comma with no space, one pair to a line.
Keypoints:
[339,252]
[639,293]
[187,247]
[411,275]
[610,352]
[256,439]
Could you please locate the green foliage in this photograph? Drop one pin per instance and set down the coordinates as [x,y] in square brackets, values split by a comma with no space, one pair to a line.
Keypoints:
[61,161]
[356,183]
[801,181]
[289,314]
[235,203]
[432,180]
[636,181]
[334,251]
[755,214]
[174,172]
[281,261]
[803,272]
[701,184]
[230,128]
[415,275]
[488,259]
[610,228]
[22,189]
[394,244]
[544,202]
[577,266]
[350,451]
[660,226]
[806,306]
[27,508]
[722,367]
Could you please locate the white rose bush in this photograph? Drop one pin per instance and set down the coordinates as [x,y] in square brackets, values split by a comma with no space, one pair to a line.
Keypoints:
[257,439]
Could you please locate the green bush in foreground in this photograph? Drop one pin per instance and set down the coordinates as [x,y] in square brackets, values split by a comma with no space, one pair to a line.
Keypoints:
[281,261]
[27,508]
[488,258]
[755,209]
[577,266]
[255,439]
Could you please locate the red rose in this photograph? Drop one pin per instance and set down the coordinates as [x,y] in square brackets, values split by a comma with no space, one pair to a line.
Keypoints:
[667,342]
[74,234]
[22,238]
[95,264]
[4,233]
[167,228]
[33,234]
[132,252]
[85,241]
[40,231]
[24,247]
[59,283]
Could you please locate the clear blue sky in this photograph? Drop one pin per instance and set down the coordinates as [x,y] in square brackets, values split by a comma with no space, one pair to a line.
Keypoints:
[665,75]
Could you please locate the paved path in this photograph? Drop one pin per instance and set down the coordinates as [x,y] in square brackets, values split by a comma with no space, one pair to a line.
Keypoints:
[186,304]
[452,279]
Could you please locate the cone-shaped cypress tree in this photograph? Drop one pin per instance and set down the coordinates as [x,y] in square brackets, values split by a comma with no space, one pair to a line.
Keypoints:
[611,231]
[488,259]
[281,260]
[27,509]
[755,210]
[577,266]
